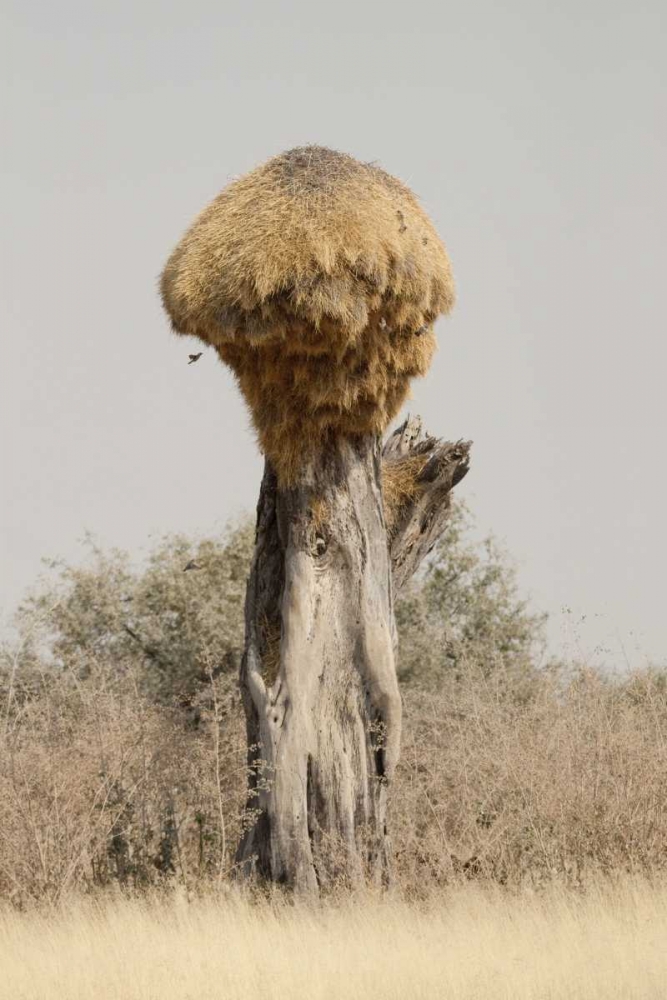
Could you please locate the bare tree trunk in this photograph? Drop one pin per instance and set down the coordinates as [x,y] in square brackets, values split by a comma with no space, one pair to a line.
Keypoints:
[318,676]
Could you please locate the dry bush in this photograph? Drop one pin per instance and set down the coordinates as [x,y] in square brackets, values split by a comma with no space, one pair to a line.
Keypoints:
[515,778]
[503,776]
[98,785]
[112,769]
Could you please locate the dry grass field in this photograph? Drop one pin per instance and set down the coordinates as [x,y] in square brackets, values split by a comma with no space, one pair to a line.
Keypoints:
[608,942]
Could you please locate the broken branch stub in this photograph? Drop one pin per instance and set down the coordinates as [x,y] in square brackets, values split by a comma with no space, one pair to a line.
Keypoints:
[417,513]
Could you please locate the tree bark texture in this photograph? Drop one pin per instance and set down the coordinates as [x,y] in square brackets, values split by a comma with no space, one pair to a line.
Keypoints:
[318,677]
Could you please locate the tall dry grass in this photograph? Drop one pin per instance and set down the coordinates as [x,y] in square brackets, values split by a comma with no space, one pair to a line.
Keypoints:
[607,943]
[513,778]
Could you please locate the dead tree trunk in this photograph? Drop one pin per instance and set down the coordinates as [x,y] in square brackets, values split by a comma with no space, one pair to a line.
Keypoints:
[318,677]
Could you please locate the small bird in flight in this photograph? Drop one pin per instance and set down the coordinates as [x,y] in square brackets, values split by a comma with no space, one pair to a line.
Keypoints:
[194,357]
[192,564]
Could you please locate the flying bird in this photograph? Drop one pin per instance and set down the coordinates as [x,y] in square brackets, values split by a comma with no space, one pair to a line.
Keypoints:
[194,357]
[193,564]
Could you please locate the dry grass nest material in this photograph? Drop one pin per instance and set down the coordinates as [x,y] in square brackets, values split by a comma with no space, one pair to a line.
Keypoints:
[317,278]
[401,485]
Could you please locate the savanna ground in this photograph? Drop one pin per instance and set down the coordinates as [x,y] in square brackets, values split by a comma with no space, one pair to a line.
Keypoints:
[529,812]
[607,943]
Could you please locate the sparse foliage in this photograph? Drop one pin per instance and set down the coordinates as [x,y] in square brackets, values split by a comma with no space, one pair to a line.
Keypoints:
[173,620]
[465,607]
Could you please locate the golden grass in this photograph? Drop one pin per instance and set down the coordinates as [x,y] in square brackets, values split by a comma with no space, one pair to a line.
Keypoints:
[400,486]
[606,943]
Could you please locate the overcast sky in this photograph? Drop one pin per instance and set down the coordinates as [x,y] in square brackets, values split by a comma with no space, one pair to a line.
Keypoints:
[535,134]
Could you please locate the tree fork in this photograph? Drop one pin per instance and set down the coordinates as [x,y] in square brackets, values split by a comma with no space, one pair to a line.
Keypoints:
[318,677]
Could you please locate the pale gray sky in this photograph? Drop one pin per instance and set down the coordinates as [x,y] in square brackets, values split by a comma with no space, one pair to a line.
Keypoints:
[535,134]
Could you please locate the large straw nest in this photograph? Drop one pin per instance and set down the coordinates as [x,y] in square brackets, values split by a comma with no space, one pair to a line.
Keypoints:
[317,278]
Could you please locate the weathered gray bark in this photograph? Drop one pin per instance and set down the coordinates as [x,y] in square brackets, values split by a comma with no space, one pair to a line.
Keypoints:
[318,676]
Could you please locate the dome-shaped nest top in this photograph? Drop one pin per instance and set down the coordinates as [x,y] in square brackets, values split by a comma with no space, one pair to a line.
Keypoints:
[317,278]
